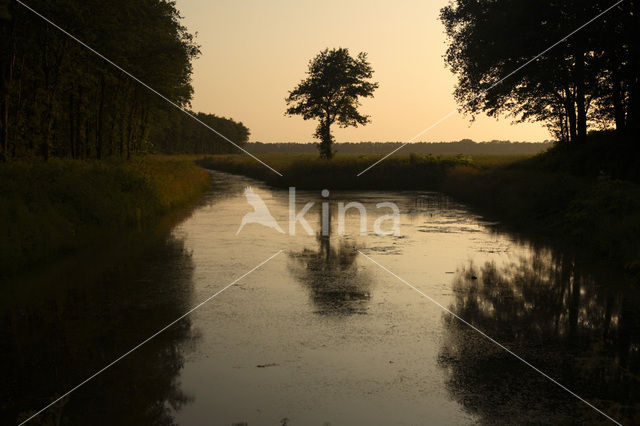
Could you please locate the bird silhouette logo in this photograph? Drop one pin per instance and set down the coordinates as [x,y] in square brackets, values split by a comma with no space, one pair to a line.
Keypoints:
[260,213]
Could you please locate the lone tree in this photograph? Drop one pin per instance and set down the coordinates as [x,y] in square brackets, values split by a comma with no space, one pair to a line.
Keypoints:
[330,93]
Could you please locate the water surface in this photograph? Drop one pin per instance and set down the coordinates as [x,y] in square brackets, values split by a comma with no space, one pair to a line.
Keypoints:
[320,335]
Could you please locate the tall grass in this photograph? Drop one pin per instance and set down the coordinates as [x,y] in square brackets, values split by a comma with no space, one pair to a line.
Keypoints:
[307,171]
[49,208]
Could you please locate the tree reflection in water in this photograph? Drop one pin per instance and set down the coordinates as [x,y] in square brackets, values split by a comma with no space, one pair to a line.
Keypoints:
[577,326]
[337,285]
[82,318]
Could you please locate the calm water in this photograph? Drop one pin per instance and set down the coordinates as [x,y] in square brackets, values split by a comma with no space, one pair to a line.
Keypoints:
[320,335]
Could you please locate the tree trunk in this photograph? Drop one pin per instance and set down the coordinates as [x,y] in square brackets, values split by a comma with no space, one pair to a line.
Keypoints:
[130,131]
[5,127]
[7,84]
[571,115]
[72,127]
[52,74]
[77,139]
[121,141]
[564,134]
[323,132]
[110,136]
[19,104]
[144,121]
[87,135]
[99,119]
[633,116]
[45,148]
[580,95]
[618,106]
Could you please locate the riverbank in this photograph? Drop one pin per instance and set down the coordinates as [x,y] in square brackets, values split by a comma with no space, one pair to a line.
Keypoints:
[544,196]
[398,172]
[51,208]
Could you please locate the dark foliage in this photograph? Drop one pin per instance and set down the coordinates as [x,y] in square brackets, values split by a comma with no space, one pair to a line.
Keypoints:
[588,81]
[331,93]
[60,99]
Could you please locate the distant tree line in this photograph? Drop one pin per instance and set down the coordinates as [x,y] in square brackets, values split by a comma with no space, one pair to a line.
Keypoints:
[60,99]
[589,81]
[177,133]
[465,146]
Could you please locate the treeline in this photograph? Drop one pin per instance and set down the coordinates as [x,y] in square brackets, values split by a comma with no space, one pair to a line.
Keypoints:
[170,126]
[587,81]
[465,146]
[60,99]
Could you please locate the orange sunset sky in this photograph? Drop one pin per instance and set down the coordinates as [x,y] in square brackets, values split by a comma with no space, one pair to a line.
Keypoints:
[254,52]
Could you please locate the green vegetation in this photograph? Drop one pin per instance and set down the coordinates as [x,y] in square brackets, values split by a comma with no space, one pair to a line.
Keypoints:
[49,208]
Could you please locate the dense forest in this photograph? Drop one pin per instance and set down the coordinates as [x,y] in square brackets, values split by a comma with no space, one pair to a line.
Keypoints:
[465,146]
[60,99]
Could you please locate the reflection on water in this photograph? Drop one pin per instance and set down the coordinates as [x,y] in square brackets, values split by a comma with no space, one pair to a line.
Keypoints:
[337,285]
[578,326]
[287,341]
[61,325]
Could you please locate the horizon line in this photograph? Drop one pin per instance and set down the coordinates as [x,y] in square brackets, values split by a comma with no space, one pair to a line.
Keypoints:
[413,143]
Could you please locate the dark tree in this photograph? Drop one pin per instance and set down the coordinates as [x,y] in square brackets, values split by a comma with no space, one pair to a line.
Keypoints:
[59,99]
[331,93]
[586,81]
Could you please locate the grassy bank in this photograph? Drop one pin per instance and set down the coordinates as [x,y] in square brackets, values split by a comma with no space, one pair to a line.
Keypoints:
[566,196]
[598,216]
[396,172]
[55,207]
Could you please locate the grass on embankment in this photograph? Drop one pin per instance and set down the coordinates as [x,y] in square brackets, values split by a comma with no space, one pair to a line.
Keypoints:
[307,171]
[586,207]
[50,208]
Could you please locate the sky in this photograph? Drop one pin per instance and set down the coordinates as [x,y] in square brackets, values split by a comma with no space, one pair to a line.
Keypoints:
[254,52]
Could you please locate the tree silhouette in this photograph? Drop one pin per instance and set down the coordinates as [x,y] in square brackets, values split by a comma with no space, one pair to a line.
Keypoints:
[585,81]
[330,93]
[59,99]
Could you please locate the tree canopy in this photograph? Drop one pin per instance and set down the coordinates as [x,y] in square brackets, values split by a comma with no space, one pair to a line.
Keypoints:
[588,81]
[330,93]
[60,99]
